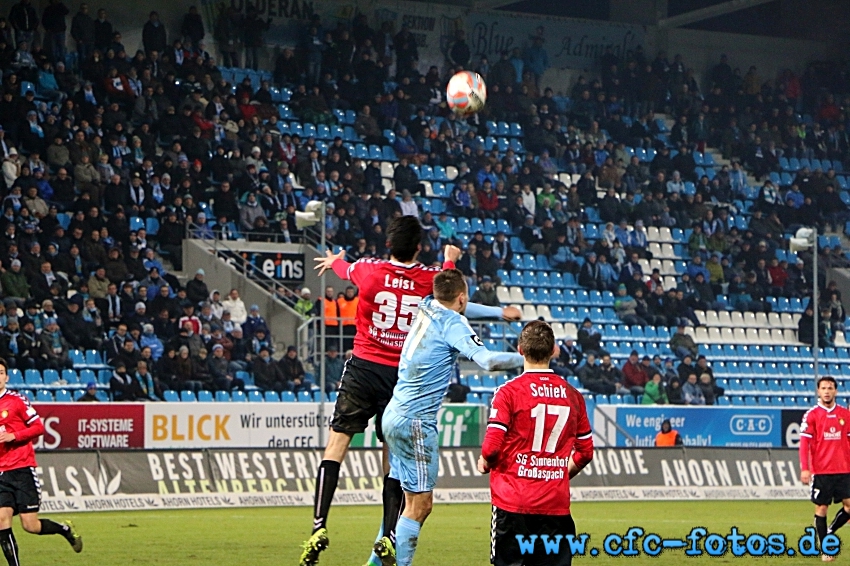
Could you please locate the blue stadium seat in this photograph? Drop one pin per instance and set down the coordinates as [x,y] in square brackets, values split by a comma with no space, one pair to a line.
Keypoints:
[171,396]
[205,396]
[557,280]
[32,377]
[238,396]
[309,130]
[305,396]
[152,226]
[63,396]
[188,396]
[255,396]
[49,376]
[136,223]
[44,396]
[70,376]
[287,396]
[222,396]
[271,396]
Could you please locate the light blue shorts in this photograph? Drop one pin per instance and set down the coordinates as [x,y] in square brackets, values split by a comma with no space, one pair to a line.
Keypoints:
[414,451]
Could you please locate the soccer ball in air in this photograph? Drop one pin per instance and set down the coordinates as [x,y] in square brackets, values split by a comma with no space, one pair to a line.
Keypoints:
[466,93]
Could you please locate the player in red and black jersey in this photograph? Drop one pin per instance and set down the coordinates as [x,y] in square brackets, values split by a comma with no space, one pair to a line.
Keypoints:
[20,488]
[538,437]
[825,457]
[390,292]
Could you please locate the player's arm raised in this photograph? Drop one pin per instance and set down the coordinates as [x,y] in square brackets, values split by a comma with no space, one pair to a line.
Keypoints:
[334,261]
[450,256]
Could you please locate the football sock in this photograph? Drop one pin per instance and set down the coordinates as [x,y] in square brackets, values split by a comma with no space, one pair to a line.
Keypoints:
[407,537]
[840,518]
[373,558]
[820,527]
[325,487]
[10,547]
[49,527]
[393,505]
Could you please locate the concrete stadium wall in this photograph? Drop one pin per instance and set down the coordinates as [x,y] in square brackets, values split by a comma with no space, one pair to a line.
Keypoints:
[701,51]
[283,322]
[128,17]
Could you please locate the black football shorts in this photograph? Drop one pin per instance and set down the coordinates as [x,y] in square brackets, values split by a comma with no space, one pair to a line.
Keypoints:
[364,391]
[830,488]
[505,549]
[20,489]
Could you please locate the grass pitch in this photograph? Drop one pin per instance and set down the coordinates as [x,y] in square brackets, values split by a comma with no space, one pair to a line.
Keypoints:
[454,534]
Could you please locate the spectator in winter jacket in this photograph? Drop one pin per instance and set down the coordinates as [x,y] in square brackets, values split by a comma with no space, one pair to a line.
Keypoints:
[654,392]
[293,371]
[124,386]
[692,392]
[154,37]
[235,306]
[634,375]
[268,375]
[682,344]
[249,212]
[152,341]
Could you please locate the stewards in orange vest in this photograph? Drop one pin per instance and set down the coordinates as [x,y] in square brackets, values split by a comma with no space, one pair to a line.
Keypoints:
[348,307]
[667,436]
[330,307]
[348,311]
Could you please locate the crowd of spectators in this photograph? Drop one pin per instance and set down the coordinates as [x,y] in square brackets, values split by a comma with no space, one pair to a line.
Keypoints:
[160,134]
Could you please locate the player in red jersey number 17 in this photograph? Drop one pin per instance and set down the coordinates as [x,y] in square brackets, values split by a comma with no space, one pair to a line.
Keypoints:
[538,438]
[20,488]
[825,458]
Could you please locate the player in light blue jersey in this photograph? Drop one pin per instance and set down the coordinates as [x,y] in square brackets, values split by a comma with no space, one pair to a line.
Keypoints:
[439,334]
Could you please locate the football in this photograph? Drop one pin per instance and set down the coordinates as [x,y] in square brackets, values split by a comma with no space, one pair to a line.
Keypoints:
[466,93]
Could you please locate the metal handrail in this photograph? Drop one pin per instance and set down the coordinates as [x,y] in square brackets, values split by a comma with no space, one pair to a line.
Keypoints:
[234,258]
[630,440]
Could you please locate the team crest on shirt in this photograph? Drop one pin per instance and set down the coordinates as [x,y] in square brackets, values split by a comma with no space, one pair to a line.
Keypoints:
[476,340]
[4,413]
[841,422]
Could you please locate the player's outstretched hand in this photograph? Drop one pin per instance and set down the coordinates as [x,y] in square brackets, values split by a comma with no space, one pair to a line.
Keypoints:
[511,314]
[806,476]
[483,466]
[325,263]
[7,437]
[452,253]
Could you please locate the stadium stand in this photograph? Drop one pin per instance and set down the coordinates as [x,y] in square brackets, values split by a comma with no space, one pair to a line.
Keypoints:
[684,196]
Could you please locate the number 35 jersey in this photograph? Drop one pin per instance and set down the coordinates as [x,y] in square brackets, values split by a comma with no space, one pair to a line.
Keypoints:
[544,421]
[390,294]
